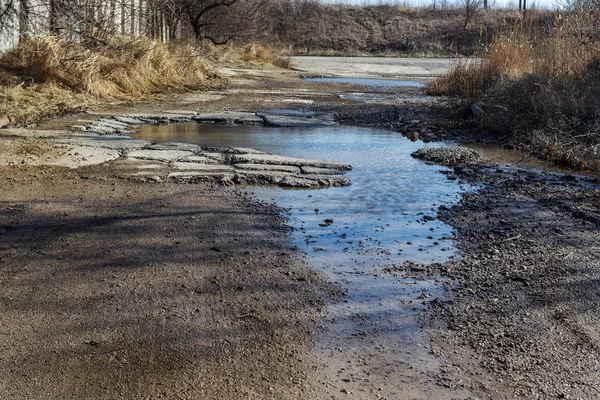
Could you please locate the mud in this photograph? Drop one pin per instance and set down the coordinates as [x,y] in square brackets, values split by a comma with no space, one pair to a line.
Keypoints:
[147,288]
[521,318]
[115,289]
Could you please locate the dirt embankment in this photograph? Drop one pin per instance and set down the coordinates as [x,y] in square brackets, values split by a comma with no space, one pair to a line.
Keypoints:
[336,29]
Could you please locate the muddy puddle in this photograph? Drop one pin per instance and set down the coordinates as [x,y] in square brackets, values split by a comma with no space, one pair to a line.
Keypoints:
[516,159]
[371,346]
[377,83]
[386,98]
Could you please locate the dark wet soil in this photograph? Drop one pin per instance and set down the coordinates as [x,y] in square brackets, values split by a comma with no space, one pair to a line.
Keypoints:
[521,319]
[107,286]
[115,289]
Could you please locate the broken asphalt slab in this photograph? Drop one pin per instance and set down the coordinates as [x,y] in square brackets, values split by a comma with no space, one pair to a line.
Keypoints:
[281,160]
[105,140]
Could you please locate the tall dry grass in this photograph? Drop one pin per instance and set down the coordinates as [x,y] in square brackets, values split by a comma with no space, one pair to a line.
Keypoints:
[508,58]
[247,55]
[548,78]
[51,75]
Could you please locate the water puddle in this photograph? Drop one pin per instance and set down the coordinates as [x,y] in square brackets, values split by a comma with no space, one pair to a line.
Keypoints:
[517,159]
[386,98]
[374,346]
[380,83]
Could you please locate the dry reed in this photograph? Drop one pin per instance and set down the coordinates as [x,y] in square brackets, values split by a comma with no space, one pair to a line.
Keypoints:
[248,55]
[51,75]
[549,81]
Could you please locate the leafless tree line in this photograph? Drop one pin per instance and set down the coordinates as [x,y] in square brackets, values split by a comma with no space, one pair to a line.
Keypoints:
[218,21]
[286,22]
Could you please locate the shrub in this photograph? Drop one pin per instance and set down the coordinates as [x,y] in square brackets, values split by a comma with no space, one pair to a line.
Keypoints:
[51,75]
[252,53]
[546,72]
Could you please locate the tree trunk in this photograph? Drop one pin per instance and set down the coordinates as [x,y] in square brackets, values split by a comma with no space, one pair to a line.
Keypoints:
[23,19]
[123,19]
[161,20]
[53,17]
[142,17]
[112,16]
[132,19]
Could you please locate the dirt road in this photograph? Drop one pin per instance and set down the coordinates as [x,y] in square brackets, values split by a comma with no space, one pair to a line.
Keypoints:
[387,67]
[114,288]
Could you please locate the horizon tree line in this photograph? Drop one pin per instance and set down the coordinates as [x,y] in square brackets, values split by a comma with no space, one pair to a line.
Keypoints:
[217,21]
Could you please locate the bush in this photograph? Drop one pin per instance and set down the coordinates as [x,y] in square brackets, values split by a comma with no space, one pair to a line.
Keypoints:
[546,72]
[51,75]
[252,53]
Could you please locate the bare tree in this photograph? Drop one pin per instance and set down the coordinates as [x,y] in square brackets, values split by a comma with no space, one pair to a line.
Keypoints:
[24,15]
[8,11]
[203,14]
[173,13]
[96,20]
[470,8]
[218,20]
[294,20]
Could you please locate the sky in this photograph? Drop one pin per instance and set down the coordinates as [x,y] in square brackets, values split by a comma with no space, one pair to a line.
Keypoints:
[552,4]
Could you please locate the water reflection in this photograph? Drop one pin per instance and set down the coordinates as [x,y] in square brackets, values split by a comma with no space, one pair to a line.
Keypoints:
[387,83]
[350,234]
[379,219]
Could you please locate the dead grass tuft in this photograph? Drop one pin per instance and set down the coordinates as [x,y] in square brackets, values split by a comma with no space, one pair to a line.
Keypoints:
[549,80]
[250,54]
[51,75]
[258,54]
[21,105]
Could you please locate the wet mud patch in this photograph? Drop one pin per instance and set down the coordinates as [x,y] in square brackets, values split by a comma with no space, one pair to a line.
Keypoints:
[183,291]
[523,308]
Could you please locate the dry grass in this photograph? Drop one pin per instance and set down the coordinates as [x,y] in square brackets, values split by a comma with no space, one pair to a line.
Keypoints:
[50,75]
[259,54]
[21,105]
[386,30]
[549,80]
[252,54]
[508,58]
